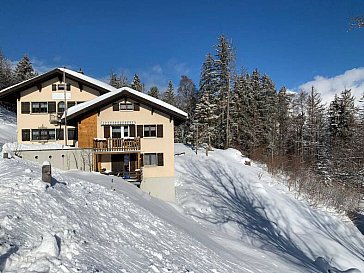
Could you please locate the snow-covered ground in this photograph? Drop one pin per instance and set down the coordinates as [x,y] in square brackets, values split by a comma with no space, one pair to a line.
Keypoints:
[7,126]
[229,218]
[222,193]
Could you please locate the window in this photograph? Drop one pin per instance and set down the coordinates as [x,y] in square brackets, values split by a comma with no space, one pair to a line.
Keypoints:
[35,134]
[119,131]
[39,107]
[116,132]
[126,131]
[150,130]
[61,107]
[150,160]
[72,134]
[43,134]
[25,134]
[126,106]
[61,86]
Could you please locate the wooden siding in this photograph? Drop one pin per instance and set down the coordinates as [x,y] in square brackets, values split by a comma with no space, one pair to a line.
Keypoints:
[87,131]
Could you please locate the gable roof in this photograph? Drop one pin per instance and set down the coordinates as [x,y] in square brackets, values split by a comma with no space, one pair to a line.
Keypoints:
[93,105]
[57,72]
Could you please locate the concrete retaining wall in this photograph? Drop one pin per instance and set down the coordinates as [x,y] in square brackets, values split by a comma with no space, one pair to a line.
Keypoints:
[66,159]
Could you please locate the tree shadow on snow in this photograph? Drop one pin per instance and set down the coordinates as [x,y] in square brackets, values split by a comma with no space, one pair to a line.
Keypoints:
[6,255]
[233,202]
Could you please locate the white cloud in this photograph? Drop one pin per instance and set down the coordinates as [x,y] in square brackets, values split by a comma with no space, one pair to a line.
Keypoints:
[351,79]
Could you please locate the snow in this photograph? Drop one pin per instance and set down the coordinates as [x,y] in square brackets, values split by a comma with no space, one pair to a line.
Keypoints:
[7,126]
[73,73]
[229,217]
[46,163]
[88,79]
[79,107]
[220,192]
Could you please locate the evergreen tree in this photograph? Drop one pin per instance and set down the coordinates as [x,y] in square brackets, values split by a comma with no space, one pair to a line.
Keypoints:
[201,130]
[283,119]
[186,101]
[115,81]
[314,129]
[6,74]
[154,92]
[168,95]
[224,69]
[24,70]
[136,84]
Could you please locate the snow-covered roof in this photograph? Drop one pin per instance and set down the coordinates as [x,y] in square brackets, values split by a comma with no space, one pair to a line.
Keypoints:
[52,73]
[88,79]
[80,108]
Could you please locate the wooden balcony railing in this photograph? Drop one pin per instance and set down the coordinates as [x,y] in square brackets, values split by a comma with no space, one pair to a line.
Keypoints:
[117,144]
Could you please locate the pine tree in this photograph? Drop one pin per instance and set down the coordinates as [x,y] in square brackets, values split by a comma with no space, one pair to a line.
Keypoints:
[136,84]
[185,100]
[343,125]
[115,81]
[201,128]
[283,119]
[224,69]
[314,129]
[154,92]
[24,70]
[6,74]
[168,95]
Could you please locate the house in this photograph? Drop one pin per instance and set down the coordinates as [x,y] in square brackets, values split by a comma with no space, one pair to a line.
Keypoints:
[41,101]
[129,133]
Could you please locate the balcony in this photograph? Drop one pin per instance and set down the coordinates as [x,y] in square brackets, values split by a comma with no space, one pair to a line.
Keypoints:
[116,144]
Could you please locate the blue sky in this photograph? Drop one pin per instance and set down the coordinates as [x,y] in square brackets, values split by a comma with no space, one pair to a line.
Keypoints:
[292,41]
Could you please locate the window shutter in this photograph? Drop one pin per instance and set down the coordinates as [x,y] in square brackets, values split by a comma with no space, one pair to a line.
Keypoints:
[140,131]
[51,107]
[54,87]
[68,87]
[107,131]
[142,160]
[115,107]
[160,130]
[25,107]
[132,130]
[136,107]
[25,134]
[160,159]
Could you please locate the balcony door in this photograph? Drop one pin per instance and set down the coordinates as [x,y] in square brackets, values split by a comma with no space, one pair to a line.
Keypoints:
[120,131]
[117,163]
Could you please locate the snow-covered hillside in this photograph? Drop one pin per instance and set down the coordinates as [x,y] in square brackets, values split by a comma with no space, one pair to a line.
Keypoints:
[7,126]
[229,218]
[222,193]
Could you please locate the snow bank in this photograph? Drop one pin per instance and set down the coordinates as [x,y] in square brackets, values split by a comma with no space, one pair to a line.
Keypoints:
[245,202]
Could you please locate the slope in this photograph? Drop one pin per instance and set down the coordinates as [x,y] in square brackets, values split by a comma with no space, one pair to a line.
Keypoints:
[7,126]
[245,202]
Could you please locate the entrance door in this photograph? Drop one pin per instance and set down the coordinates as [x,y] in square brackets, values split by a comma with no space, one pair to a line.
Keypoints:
[117,163]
